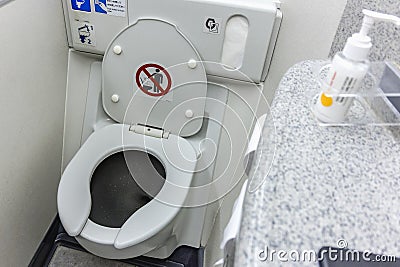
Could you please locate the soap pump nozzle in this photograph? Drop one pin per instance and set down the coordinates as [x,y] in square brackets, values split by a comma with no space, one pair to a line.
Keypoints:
[358,45]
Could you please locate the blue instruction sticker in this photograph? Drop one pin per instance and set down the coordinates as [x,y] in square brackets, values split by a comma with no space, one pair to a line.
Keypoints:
[100,6]
[81,5]
[111,7]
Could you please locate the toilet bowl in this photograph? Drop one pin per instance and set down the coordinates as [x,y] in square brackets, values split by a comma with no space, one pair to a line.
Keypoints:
[148,137]
[147,227]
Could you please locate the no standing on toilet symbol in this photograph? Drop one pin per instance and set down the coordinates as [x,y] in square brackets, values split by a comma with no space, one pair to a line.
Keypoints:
[153,79]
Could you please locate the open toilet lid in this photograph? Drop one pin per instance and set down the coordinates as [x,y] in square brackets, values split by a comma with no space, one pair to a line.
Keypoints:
[153,75]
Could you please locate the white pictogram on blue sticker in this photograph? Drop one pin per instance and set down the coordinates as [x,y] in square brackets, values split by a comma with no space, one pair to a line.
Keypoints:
[100,6]
[81,5]
[110,7]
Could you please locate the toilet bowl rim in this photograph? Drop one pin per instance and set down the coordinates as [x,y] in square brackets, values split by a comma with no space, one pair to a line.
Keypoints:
[99,157]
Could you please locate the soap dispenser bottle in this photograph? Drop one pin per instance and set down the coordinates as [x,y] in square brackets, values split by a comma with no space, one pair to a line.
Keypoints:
[347,71]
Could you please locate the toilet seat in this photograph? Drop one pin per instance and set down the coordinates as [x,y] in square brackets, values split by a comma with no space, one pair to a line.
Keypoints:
[74,197]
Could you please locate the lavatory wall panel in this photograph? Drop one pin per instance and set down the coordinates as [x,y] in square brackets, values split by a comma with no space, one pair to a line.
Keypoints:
[32,82]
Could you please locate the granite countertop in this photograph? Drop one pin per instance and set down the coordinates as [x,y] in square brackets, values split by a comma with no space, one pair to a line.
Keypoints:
[319,185]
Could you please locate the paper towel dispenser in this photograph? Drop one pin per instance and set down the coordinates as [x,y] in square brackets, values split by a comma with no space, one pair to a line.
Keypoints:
[238,34]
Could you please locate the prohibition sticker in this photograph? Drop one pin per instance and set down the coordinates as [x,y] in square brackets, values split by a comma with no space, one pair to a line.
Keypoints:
[153,79]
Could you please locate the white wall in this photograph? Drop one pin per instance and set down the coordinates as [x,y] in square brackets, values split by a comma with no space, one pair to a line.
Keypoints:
[33,61]
[307,32]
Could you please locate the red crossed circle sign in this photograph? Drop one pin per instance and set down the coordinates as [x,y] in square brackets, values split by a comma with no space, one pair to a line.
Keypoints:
[150,79]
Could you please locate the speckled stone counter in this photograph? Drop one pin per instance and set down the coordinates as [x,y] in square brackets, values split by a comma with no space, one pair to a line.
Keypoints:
[385,36]
[319,184]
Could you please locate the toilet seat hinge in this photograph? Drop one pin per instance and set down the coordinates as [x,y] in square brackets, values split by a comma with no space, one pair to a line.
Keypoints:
[149,130]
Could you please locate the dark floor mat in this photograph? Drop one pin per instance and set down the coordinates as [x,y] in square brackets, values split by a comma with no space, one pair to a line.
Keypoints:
[64,257]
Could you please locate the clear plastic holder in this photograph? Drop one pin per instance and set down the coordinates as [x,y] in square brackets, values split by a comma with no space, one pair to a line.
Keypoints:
[371,105]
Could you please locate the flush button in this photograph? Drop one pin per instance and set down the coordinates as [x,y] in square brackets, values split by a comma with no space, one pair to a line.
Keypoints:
[189,113]
[115,98]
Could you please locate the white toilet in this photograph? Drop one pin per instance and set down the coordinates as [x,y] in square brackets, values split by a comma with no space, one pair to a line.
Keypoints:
[127,190]
[146,228]
[133,113]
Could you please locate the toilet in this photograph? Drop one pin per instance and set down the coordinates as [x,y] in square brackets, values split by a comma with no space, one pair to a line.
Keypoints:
[151,224]
[146,102]
[152,126]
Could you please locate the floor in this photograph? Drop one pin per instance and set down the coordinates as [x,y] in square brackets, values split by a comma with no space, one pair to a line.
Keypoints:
[64,257]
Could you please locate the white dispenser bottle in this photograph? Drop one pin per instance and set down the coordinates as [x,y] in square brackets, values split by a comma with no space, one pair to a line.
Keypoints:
[347,71]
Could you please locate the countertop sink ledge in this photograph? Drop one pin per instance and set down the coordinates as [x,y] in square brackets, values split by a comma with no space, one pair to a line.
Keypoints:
[313,186]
